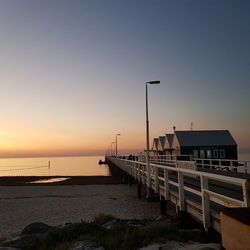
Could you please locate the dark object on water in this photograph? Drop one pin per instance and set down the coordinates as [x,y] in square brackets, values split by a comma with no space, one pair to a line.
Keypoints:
[102,162]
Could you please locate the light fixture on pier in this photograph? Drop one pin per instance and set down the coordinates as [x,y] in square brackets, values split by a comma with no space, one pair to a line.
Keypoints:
[147,135]
[111,149]
[116,144]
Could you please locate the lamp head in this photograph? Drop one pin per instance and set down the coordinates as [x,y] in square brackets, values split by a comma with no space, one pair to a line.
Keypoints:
[153,82]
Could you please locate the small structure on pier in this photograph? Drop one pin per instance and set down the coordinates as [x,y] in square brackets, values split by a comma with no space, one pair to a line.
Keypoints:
[168,144]
[216,144]
[161,145]
[203,144]
[155,148]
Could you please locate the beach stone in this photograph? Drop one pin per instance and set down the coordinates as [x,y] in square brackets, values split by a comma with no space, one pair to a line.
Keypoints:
[175,245]
[136,223]
[86,245]
[9,248]
[25,241]
[155,246]
[36,227]
[110,224]
[211,247]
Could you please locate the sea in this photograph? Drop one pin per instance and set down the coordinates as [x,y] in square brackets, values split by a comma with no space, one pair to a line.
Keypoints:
[54,166]
[62,166]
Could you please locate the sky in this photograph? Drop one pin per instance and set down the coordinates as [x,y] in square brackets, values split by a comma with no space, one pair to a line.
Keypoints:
[73,73]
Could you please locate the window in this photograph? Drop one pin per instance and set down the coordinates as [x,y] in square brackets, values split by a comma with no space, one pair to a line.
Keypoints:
[209,153]
[216,153]
[195,154]
[202,154]
[222,153]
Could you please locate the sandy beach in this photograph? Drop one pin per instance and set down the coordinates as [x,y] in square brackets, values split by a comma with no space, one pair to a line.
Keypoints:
[59,204]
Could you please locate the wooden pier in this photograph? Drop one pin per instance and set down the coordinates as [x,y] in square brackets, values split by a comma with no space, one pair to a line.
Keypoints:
[201,194]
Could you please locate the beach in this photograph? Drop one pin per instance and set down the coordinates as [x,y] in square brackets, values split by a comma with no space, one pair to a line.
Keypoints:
[60,204]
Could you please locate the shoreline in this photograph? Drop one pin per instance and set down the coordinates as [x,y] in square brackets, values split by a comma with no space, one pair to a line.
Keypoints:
[72,180]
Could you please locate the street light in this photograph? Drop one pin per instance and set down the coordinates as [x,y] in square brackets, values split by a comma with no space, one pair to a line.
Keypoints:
[147,135]
[116,144]
[111,151]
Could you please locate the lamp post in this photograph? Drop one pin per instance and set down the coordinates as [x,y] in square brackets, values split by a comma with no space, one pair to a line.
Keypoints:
[111,150]
[147,135]
[116,144]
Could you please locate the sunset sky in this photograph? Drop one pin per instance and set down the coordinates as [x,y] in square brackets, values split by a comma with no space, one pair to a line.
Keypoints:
[73,73]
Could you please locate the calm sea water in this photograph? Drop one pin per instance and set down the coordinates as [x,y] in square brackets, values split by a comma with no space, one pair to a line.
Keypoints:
[62,166]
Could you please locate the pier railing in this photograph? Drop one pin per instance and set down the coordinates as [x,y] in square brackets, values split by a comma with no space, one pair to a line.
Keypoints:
[203,163]
[224,164]
[201,194]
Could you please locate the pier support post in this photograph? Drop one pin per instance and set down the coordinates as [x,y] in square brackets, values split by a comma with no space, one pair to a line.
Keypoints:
[130,180]
[139,190]
[163,205]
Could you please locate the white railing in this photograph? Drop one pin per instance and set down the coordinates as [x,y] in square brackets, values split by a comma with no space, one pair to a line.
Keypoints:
[162,158]
[165,158]
[224,164]
[204,163]
[160,184]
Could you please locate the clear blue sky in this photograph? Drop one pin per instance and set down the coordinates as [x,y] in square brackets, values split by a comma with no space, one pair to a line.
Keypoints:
[72,73]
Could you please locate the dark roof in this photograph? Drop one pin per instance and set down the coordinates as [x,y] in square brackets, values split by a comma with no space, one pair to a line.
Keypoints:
[170,138]
[205,138]
[162,140]
[156,142]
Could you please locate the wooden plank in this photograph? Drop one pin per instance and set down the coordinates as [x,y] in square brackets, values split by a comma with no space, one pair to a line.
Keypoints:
[224,200]
[181,192]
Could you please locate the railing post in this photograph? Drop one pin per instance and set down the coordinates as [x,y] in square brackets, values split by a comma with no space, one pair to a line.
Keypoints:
[166,184]
[231,164]
[144,175]
[205,202]
[156,180]
[133,170]
[246,193]
[137,171]
[181,191]
[163,205]
[141,173]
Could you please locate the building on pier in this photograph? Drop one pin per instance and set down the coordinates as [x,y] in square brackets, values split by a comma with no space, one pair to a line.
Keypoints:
[168,150]
[161,145]
[155,147]
[205,144]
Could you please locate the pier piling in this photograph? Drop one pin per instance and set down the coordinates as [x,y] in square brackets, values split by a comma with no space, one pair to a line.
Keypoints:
[163,205]
[139,190]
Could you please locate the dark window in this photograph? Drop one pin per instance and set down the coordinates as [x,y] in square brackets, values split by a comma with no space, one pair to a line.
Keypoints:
[209,153]
[202,154]
[216,153]
[222,153]
[195,154]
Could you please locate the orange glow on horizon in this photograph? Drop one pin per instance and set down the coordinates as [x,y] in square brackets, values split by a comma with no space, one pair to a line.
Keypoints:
[16,145]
